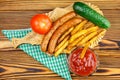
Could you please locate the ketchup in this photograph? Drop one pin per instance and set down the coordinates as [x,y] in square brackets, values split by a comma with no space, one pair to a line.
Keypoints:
[84,66]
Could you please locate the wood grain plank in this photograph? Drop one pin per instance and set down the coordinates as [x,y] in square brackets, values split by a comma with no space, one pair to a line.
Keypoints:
[59,78]
[22,66]
[8,5]
[12,70]
[108,58]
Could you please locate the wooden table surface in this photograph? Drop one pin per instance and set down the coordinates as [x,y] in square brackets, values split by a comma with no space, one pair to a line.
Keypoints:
[15,64]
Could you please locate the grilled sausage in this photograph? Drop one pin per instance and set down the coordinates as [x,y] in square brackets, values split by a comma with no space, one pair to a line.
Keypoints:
[56,24]
[67,25]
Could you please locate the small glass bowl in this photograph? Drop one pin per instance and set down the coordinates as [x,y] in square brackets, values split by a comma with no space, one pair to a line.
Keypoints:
[69,59]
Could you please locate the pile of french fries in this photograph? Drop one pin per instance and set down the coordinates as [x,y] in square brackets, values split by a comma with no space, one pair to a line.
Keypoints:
[85,34]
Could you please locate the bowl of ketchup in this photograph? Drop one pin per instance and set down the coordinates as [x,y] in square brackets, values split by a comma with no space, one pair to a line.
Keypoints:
[85,66]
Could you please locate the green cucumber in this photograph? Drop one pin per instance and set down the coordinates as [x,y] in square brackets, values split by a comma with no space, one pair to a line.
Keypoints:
[85,11]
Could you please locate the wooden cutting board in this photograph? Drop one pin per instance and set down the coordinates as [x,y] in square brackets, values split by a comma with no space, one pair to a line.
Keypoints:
[14,63]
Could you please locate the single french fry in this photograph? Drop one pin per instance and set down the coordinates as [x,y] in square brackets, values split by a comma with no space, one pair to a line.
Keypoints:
[65,34]
[88,37]
[76,35]
[91,29]
[75,42]
[62,43]
[79,27]
[68,51]
[84,50]
[61,49]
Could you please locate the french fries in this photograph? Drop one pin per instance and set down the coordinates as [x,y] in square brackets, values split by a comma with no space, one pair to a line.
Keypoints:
[75,42]
[61,49]
[76,35]
[91,35]
[79,27]
[82,32]
[62,43]
[65,34]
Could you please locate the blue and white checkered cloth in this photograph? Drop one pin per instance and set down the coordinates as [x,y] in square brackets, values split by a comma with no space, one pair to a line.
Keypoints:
[57,65]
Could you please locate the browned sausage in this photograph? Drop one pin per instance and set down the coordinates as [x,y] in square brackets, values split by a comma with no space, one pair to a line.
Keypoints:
[56,24]
[53,41]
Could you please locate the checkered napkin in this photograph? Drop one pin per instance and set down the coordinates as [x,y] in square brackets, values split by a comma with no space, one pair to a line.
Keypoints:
[57,65]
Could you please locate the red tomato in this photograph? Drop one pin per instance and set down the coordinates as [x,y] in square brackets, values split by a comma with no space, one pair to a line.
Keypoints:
[41,23]
[85,66]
